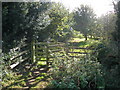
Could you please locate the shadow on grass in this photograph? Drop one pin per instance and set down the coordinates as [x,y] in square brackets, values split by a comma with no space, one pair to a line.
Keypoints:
[30,76]
[82,43]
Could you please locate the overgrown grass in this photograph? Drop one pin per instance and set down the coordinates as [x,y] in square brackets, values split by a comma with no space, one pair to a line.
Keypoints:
[18,81]
[41,63]
[76,72]
[87,68]
[80,42]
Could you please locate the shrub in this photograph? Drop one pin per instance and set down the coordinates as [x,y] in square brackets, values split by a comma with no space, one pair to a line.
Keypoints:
[77,73]
[108,58]
[7,75]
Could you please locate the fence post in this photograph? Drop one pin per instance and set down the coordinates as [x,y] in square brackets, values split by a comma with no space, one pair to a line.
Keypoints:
[33,51]
[47,55]
[67,48]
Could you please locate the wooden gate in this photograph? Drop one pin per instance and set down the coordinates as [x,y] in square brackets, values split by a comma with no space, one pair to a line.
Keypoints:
[44,52]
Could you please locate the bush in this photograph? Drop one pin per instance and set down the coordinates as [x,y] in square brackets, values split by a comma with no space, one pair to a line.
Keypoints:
[62,84]
[7,75]
[107,57]
[76,73]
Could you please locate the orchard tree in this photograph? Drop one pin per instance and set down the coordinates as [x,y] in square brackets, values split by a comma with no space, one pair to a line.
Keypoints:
[84,18]
[107,23]
[61,22]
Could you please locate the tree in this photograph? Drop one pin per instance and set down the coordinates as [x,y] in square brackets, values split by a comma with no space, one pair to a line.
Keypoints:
[116,34]
[107,23]
[84,20]
[61,22]
[22,20]
[109,54]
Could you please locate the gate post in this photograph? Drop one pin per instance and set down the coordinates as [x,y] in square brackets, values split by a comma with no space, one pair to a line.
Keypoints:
[47,54]
[33,51]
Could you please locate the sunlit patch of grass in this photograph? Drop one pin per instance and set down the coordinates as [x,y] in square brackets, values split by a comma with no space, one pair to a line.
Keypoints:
[82,44]
[92,43]
[42,84]
[77,50]
[86,43]
[43,74]
[41,63]
[89,44]
[43,58]
[39,78]
[76,42]
[16,86]
[22,83]
[16,82]
[7,83]
[77,39]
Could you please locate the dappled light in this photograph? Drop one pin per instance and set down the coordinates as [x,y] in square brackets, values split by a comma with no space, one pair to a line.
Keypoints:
[48,46]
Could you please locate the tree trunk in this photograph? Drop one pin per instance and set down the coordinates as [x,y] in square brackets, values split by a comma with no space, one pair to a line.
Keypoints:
[85,37]
[91,36]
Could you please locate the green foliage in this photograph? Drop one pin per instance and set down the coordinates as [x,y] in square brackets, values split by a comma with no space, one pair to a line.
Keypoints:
[109,64]
[62,84]
[40,78]
[61,22]
[84,19]
[23,20]
[80,72]
[37,21]
[108,53]
[8,57]
[8,76]
[106,25]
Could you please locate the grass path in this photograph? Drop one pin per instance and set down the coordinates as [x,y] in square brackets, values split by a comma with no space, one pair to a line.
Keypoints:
[31,77]
[77,39]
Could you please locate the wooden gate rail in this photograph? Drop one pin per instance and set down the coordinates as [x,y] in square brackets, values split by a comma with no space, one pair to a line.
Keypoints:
[44,50]
[21,56]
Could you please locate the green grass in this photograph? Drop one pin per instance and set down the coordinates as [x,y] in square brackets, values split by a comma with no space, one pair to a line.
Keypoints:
[77,50]
[40,78]
[41,63]
[78,42]
[43,58]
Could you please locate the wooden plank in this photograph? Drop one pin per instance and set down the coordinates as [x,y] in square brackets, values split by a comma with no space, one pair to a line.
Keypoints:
[75,56]
[56,45]
[46,60]
[37,53]
[73,47]
[41,43]
[18,47]
[55,50]
[79,52]
[49,43]
[17,63]
[19,55]
[41,56]
[40,48]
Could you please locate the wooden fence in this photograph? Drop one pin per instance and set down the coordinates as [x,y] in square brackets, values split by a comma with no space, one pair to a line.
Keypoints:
[44,51]
[19,55]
